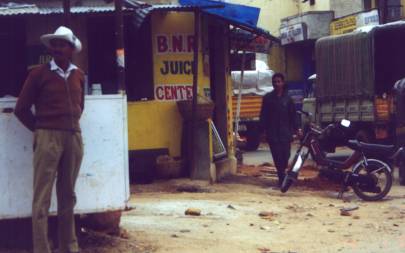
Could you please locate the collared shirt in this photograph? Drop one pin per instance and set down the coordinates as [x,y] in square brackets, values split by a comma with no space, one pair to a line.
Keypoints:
[60,72]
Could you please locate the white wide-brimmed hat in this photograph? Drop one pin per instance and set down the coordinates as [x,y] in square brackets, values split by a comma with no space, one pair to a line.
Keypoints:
[62,33]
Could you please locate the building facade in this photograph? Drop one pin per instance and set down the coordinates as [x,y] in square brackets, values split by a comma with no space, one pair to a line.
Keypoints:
[299,24]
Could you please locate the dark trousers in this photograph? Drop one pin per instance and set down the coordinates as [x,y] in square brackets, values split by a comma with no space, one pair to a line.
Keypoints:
[280,152]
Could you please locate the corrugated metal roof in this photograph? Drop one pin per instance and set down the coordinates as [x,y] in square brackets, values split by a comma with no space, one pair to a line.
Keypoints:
[76,9]
[9,9]
[54,7]
[142,13]
[143,10]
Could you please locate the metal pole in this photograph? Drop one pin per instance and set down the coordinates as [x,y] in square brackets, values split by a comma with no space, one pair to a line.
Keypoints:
[240,94]
[66,13]
[120,49]
[195,90]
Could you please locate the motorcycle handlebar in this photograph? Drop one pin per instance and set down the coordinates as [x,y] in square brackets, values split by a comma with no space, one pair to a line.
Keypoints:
[304,113]
[321,131]
[315,128]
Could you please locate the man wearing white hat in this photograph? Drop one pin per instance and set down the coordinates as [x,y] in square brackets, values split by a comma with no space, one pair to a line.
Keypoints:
[56,90]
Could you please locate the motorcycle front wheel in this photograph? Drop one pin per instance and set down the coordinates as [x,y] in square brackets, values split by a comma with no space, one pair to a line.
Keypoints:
[287,182]
[379,180]
[291,175]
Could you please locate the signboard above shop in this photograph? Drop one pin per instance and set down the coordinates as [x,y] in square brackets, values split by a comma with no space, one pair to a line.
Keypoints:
[293,33]
[368,18]
[343,25]
[350,23]
[246,41]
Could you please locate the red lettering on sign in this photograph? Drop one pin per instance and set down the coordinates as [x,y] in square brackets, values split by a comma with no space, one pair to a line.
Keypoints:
[174,92]
[160,93]
[167,93]
[182,90]
[162,45]
[190,43]
[189,92]
[177,43]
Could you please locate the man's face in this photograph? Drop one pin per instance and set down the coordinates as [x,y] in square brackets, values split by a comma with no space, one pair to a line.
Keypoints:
[61,50]
[278,83]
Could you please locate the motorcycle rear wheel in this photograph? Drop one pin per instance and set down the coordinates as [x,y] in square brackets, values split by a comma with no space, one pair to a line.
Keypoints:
[374,169]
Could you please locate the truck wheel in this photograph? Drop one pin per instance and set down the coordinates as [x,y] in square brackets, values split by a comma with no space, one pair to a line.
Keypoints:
[363,136]
[252,138]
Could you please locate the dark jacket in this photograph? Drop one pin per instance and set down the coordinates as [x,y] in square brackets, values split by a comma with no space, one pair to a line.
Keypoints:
[278,117]
[58,103]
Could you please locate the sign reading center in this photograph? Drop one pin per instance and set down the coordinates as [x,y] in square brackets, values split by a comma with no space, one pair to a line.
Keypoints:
[173,92]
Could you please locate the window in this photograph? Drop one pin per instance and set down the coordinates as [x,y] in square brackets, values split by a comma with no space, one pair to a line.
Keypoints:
[393,10]
[367,5]
[101,56]
[390,10]
[13,56]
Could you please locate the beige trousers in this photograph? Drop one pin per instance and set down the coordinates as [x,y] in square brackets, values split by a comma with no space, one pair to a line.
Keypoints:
[57,155]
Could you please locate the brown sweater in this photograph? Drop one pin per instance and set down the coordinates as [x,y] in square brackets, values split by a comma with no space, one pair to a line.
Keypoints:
[58,103]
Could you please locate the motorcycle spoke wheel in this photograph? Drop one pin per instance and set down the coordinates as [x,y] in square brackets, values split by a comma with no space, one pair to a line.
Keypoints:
[377,171]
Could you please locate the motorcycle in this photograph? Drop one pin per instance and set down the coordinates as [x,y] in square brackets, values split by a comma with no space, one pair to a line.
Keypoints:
[371,179]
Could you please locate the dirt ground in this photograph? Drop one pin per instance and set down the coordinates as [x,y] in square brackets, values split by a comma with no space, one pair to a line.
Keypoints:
[244,213]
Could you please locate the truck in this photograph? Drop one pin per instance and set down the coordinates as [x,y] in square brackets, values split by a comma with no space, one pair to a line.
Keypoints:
[355,76]
[256,83]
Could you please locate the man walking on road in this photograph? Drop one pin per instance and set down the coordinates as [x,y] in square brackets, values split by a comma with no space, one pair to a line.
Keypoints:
[56,90]
[278,120]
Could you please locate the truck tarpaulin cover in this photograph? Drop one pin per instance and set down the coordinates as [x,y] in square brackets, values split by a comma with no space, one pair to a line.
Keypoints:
[345,66]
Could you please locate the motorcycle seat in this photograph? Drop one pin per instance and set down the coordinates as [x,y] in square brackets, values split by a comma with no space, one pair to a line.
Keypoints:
[372,149]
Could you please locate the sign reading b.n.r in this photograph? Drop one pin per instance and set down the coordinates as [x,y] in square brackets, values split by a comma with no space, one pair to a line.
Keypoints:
[174,43]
